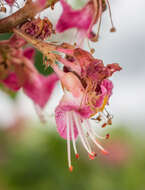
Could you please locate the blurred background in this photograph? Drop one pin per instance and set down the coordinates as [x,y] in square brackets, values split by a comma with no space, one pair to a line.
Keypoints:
[33,156]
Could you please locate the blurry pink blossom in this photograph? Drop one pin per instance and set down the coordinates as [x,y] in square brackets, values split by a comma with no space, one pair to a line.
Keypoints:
[120,153]
[19,72]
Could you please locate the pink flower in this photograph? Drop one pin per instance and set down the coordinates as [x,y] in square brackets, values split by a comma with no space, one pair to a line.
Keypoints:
[86,93]
[72,119]
[83,19]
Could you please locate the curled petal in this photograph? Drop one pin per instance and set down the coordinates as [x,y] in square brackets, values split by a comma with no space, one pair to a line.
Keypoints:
[12,82]
[39,88]
[108,85]
[68,104]
[60,116]
[106,92]
[29,53]
[80,19]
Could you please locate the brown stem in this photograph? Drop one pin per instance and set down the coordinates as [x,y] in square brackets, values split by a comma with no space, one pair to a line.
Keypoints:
[28,11]
[45,48]
[42,46]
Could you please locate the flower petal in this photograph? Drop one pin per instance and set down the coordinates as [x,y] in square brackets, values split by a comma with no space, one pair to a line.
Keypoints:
[10,2]
[80,19]
[39,88]
[12,82]
[67,104]
[29,53]
[60,116]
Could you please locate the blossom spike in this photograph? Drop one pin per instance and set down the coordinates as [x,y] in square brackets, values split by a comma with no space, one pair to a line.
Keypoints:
[87,91]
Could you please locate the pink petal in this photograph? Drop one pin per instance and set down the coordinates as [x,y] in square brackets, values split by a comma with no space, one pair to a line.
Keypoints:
[10,2]
[12,82]
[80,19]
[69,103]
[29,53]
[106,90]
[108,85]
[39,88]
[16,41]
[60,116]
[100,100]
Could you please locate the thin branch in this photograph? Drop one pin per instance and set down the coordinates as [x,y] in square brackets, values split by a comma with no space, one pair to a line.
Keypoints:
[28,11]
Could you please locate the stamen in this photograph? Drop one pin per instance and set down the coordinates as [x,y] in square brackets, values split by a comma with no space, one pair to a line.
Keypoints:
[73,137]
[104,117]
[99,118]
[100,18]
[2,7]
[104,125]
[77,156]
[113,29]
[71,168]
[81,134]
[104,152]
[17,5]
[92,156]
[68,142]
[88,126]
[107,136]
[92,50]
[109,121]
[94,140]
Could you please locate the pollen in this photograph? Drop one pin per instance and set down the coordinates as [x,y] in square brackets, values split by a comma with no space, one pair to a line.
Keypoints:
[105,152]
[92,155]
[71,168]
[104,125]
[107,136]
[77,156]
[113,29]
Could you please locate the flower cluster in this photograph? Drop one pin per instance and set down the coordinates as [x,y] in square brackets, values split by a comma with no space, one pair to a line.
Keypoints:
[85,80]
[87,90]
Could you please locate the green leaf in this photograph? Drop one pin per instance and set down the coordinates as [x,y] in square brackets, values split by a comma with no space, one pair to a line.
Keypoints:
[40,66]
[5,36]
